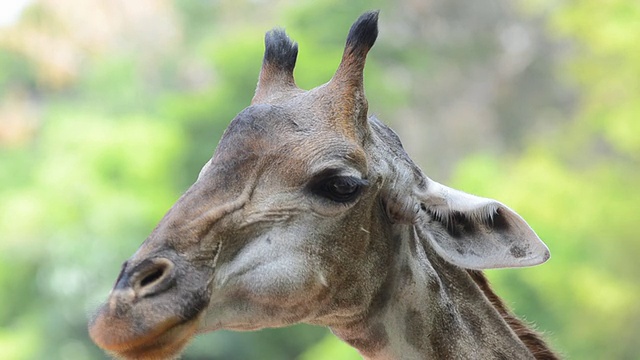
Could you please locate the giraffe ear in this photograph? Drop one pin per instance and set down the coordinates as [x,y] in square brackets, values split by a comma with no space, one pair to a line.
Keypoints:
[477,233]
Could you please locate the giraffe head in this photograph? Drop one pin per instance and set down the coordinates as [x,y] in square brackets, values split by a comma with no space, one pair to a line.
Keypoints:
[293,218]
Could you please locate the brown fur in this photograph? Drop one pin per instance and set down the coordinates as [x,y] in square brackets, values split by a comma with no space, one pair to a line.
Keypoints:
[531,338]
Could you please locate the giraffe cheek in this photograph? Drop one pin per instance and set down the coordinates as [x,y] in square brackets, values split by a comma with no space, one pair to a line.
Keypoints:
[268,294]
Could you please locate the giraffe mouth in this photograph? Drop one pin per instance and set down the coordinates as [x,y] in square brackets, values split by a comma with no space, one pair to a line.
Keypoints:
[165,340]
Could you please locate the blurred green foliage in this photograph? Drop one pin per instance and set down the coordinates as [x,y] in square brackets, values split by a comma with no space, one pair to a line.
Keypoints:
[101,131]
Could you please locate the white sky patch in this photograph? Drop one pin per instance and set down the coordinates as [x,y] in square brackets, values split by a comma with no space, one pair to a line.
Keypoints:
[10,11]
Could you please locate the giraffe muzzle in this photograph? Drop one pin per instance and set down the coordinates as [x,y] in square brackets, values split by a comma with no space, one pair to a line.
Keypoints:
[129,325]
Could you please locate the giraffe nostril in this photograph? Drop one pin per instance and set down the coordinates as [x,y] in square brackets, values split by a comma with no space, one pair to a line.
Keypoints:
[151,278]
[154,276]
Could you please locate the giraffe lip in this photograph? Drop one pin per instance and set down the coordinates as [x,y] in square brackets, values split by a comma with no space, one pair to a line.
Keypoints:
[163,340]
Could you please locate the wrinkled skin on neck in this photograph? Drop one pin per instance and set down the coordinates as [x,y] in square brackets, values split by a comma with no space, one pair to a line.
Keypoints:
[312,212]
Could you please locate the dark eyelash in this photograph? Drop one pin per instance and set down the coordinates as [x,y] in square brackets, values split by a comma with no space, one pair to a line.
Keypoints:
[339,189]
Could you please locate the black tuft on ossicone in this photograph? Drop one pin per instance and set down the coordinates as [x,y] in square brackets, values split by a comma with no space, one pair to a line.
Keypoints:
[363,32]
[280,51]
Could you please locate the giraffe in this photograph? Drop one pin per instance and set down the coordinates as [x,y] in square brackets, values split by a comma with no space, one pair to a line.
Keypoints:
[310,211]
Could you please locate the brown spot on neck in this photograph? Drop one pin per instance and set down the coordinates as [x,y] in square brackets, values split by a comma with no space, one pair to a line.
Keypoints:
[414,331]
[370,340]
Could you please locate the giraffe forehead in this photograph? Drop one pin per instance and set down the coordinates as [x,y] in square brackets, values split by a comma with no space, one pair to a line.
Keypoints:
[312,111]
[274,135]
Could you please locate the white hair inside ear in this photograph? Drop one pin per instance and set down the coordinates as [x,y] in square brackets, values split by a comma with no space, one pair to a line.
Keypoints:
[476,233]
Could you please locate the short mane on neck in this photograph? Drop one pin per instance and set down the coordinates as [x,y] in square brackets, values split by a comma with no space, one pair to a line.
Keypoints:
[531,338]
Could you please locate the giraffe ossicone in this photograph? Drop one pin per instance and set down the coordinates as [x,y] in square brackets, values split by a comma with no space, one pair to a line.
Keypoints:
[310,211]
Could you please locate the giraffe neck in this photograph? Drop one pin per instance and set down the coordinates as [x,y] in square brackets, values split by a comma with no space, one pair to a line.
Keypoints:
[429,309]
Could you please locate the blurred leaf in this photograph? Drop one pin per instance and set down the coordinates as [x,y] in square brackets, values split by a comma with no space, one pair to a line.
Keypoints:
[330,347]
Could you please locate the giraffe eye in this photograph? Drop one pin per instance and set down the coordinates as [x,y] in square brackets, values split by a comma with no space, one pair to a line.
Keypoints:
[341,189]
